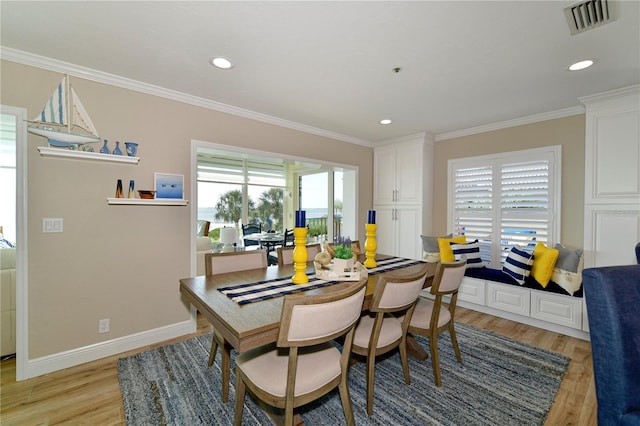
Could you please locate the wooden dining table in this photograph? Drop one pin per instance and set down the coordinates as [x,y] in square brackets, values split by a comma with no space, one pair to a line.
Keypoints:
[248,326]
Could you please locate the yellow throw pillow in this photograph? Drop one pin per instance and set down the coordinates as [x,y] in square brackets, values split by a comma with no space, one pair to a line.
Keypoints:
[446,253]
[544,259]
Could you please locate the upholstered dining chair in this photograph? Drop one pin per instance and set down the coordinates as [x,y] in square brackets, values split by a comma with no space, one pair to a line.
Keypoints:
[381,331]
[285,254]
[303,365]
[221,263]
[430,318]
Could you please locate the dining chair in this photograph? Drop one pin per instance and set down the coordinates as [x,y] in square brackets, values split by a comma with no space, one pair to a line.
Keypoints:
[303,365]
[288,241]
[429,317]
[252,228]
[285,254]
[221,263]
[382,329]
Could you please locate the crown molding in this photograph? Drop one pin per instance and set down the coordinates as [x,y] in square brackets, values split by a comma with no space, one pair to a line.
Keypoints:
[631,90]
[55,65]
[567,112]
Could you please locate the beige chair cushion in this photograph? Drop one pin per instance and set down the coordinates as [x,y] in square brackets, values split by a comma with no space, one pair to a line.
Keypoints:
[390,331]
[422,314]
[267,367]
[314,321]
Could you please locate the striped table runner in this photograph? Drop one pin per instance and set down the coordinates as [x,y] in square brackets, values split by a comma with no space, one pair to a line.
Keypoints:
[268,289]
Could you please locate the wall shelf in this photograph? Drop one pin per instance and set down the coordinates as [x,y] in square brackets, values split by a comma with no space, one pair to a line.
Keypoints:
[150,202]
[83,155]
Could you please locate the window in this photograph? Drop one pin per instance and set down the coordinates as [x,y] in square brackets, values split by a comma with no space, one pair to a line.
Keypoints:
[8,136]
[505,200]
[233,189]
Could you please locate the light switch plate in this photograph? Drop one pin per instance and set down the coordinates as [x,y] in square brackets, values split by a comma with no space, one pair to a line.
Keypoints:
[52,224]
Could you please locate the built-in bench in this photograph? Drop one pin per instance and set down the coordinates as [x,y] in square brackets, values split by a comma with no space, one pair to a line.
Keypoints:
[493,292]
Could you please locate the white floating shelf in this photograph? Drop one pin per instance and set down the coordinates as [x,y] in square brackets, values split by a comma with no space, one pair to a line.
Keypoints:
[83,155]
[150,202]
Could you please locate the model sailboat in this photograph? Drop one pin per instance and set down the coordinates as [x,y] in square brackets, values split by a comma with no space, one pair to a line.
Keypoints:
[63,120]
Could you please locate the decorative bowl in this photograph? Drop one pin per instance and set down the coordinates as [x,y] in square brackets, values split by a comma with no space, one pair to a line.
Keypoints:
[146,194]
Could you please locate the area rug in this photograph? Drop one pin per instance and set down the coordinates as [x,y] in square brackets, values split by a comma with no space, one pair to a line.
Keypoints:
[500,382]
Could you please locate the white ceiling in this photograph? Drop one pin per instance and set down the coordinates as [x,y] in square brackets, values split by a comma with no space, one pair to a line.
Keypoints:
[329,65]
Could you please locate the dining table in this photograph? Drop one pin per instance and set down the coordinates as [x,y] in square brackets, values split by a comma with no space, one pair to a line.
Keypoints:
[245,326]
[268,240]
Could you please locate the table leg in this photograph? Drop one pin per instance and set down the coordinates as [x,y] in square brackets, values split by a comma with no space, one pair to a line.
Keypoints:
[414,349]
[225,368]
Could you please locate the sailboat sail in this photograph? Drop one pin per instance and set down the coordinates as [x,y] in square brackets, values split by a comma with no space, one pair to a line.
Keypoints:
[64,120]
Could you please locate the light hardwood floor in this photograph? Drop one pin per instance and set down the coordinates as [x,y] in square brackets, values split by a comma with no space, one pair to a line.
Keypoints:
[89,394]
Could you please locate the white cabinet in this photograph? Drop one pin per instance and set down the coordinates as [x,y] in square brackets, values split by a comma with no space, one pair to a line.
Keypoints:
[612,177]
[398,230]
[397,177]
[556,312]
[398,196]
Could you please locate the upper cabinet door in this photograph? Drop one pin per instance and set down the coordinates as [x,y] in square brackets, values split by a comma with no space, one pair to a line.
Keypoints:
[384,175]
[397,174]
[612,150]
[409,173]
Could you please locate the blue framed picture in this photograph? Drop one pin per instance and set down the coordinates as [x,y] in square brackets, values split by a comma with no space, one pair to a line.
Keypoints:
[169,186]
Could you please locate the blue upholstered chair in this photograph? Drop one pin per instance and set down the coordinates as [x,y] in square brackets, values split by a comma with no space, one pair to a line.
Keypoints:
[613,305]
[638,252]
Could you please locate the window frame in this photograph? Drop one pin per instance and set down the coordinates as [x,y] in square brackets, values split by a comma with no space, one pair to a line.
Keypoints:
[552,154]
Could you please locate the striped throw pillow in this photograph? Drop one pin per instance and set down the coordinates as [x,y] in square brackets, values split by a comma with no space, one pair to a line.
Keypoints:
[518,264]
[471,250]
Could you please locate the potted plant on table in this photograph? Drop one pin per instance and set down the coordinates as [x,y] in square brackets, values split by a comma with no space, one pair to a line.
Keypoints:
[343,255]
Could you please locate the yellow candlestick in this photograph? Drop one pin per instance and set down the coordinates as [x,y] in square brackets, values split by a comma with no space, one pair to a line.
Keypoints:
[370,245]
[300,256]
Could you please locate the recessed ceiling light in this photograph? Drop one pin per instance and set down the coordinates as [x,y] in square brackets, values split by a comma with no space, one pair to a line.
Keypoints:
[221,62]
[580,65]
[385,121]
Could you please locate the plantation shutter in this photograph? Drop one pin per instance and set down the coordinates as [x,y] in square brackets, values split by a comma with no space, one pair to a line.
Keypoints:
[474,206]
[505,200]
[524,205]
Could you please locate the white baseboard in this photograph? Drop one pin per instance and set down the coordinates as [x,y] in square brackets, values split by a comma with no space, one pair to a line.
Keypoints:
[47,364]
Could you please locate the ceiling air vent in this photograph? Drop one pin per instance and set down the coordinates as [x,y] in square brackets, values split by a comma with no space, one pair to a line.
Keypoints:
[589,14]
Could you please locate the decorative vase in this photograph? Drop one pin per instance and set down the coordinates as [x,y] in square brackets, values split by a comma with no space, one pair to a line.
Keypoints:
[300,256]
[342,265]
[131,148]
[132,193]
[119,193]
[370,246]
[105,148]
[117,150]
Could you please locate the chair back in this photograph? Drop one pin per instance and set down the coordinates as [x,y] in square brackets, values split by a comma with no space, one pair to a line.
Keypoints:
[612,295]
[221,263]
[203,228]
[288,238]
[285,254]
[310,320]
[395,293]
[253,228]
[448,277]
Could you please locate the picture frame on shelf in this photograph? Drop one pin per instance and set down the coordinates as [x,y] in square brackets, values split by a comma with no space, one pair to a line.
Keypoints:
[169,185]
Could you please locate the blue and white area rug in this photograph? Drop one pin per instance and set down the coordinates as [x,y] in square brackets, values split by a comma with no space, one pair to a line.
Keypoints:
[500,382]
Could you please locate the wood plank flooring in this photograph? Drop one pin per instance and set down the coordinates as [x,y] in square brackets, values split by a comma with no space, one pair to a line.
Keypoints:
[89,394]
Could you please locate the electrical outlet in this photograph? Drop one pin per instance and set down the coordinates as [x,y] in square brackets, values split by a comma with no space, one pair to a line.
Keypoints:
[103,325]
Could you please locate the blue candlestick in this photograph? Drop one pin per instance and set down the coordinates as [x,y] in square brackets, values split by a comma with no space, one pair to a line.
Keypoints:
[371,216]
[301,220]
